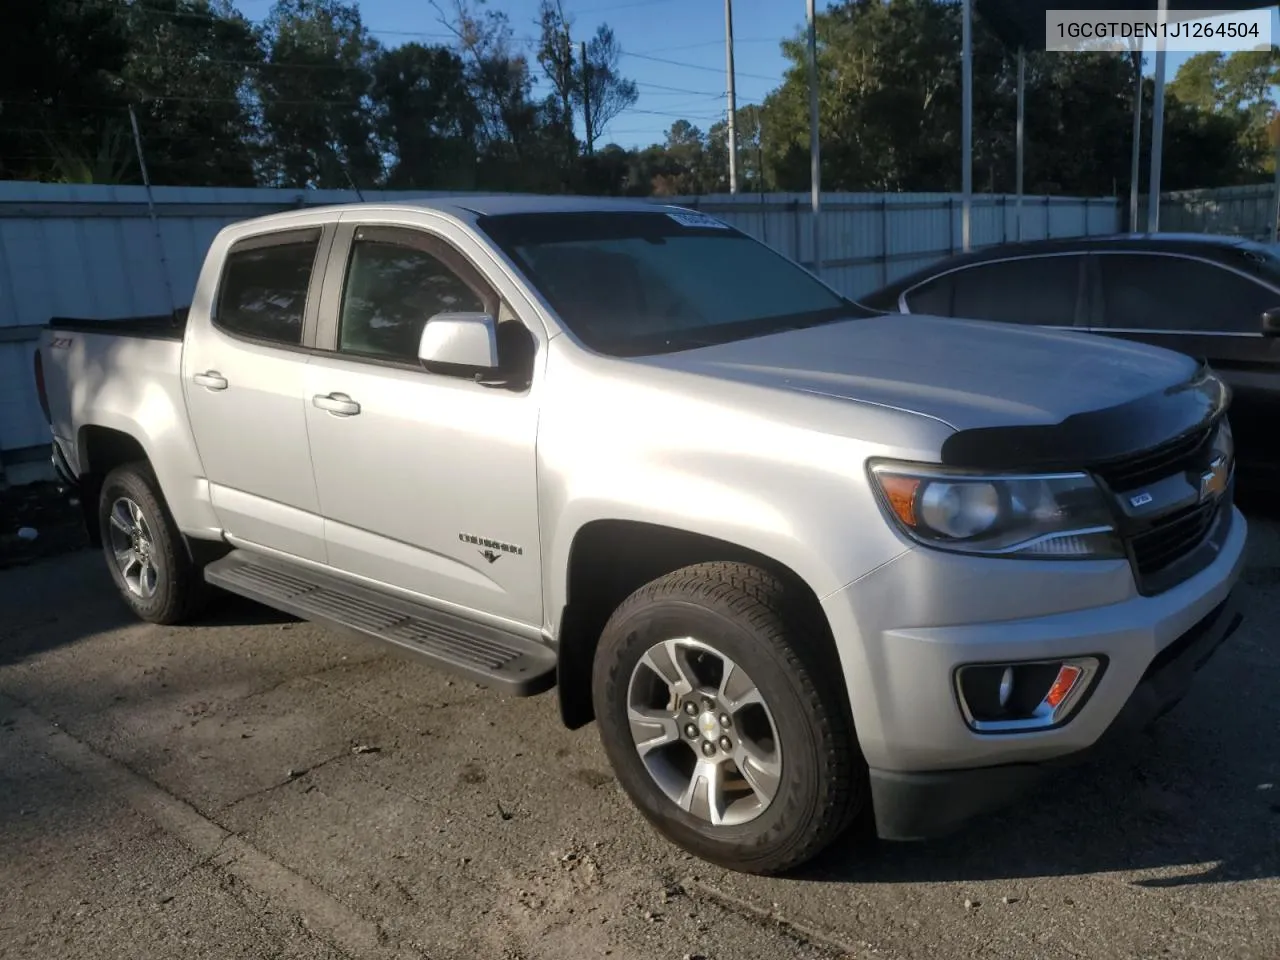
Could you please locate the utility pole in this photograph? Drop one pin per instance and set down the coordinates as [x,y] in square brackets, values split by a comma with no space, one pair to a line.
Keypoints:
[733,109]
[1273,132]
[966,122]
[1135,165]
[1022,109]
[1157,125]
[586,96]
[815,165]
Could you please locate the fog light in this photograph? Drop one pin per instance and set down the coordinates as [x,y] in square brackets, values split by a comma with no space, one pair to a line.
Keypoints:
[1009,697]
[1006,686]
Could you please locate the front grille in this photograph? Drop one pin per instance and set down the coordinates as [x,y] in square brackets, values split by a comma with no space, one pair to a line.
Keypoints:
[1187,452]
[1172,538]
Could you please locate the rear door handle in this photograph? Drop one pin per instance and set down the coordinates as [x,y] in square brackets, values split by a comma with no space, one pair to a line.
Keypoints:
[211,379]
[339,404]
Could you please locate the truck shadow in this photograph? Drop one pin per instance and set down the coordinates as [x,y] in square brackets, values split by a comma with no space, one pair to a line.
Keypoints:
[59,601]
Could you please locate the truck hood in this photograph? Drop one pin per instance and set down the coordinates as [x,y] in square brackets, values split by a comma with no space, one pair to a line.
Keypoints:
[968,374]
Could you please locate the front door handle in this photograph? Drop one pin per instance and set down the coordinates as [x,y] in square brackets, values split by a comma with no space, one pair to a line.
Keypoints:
[339,404]
[211,379]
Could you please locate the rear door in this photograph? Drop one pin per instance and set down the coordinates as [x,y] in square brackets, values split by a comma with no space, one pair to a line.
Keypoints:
[244,376]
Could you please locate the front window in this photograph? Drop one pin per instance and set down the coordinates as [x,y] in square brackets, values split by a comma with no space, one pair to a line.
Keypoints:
[629,284]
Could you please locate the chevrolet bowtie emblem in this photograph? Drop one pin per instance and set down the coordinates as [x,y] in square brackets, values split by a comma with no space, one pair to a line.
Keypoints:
[1213,482]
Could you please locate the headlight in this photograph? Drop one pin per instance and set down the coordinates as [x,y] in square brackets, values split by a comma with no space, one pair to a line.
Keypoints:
[1061,515]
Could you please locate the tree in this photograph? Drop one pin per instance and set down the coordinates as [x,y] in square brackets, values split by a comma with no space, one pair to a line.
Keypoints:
[189,70]
[61,111]
[556,57]
[888,98]
[318,118]
[603,92]
[560,67]
[501,84]
[425,118]
[1237,87]
[747,131]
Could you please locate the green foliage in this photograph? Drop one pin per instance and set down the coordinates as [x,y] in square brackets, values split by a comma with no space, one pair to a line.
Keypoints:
[309,97]
[317,115]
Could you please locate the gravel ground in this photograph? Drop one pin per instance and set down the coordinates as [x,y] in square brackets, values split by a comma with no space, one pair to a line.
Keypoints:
[259,787]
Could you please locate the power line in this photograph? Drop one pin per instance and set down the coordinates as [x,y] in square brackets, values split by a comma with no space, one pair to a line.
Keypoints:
[710,43]
[696,66]
[210,16]
[659,86]
[621,6]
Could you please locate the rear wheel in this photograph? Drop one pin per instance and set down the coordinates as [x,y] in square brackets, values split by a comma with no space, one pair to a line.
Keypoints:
[144,549]
[719,713]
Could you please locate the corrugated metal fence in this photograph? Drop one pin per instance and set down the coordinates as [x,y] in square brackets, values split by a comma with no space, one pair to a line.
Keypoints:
[93,251]
[1242,211]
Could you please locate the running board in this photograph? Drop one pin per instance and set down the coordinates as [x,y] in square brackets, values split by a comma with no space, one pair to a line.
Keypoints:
[505,661]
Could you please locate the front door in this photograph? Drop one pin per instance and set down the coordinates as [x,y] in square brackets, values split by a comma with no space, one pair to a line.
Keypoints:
[244,380]
[427,481]
[1209,312]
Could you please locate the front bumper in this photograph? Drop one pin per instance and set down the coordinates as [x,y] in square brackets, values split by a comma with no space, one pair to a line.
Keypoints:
[917,806]
[904,629]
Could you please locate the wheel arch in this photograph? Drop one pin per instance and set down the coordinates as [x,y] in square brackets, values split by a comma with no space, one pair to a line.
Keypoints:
[99,450]
[600,576]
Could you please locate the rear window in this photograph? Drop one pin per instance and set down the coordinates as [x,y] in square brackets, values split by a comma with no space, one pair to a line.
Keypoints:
[1032,290]
[263,294]
[628,284]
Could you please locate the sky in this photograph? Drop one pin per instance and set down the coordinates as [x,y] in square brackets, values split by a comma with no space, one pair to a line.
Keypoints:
[673,49]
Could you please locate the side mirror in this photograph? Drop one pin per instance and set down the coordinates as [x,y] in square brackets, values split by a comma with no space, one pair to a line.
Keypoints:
[1271,322]
[460,340]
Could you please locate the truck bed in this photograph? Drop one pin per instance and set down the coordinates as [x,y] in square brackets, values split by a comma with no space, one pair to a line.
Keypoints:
[163,326]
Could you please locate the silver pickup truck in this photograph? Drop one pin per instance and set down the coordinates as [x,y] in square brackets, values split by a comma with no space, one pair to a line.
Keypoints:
[801,563]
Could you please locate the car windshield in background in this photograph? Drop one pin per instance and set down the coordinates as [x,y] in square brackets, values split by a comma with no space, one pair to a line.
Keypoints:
[629,284]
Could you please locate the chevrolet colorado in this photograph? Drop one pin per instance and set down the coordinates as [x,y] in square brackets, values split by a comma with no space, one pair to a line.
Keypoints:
[801,563]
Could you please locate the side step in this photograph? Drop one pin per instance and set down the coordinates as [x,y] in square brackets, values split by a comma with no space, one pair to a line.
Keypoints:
[507,662]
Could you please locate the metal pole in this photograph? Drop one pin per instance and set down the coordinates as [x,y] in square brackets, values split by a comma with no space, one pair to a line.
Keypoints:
[1157,126]
[966,122]
[1275,211]
[586,96]
[733,110]
[1022,83]
[1135,168]
[815,167]
[151,207]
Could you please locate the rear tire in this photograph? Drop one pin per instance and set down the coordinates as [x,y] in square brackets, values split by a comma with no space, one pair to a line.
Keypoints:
[144,549]
[727,641]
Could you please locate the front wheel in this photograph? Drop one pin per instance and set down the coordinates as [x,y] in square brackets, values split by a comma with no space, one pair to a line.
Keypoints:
[717,706]
[144,549]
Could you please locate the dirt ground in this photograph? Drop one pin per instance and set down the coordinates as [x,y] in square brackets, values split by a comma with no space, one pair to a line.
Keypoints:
[258,787]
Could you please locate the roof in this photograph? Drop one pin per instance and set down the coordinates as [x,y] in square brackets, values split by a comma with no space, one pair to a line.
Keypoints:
[1022,22]
[469,206]
[1209,246]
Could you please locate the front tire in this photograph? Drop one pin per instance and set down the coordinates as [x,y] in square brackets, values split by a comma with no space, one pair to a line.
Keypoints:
[719,708]
[144,549]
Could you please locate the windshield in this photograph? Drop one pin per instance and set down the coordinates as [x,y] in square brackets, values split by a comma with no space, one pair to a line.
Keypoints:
[628,284]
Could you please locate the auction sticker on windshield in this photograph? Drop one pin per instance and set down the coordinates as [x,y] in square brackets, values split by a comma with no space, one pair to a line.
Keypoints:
[697,220]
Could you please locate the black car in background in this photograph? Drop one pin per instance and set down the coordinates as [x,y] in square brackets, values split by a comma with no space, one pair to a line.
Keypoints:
[1212,297]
